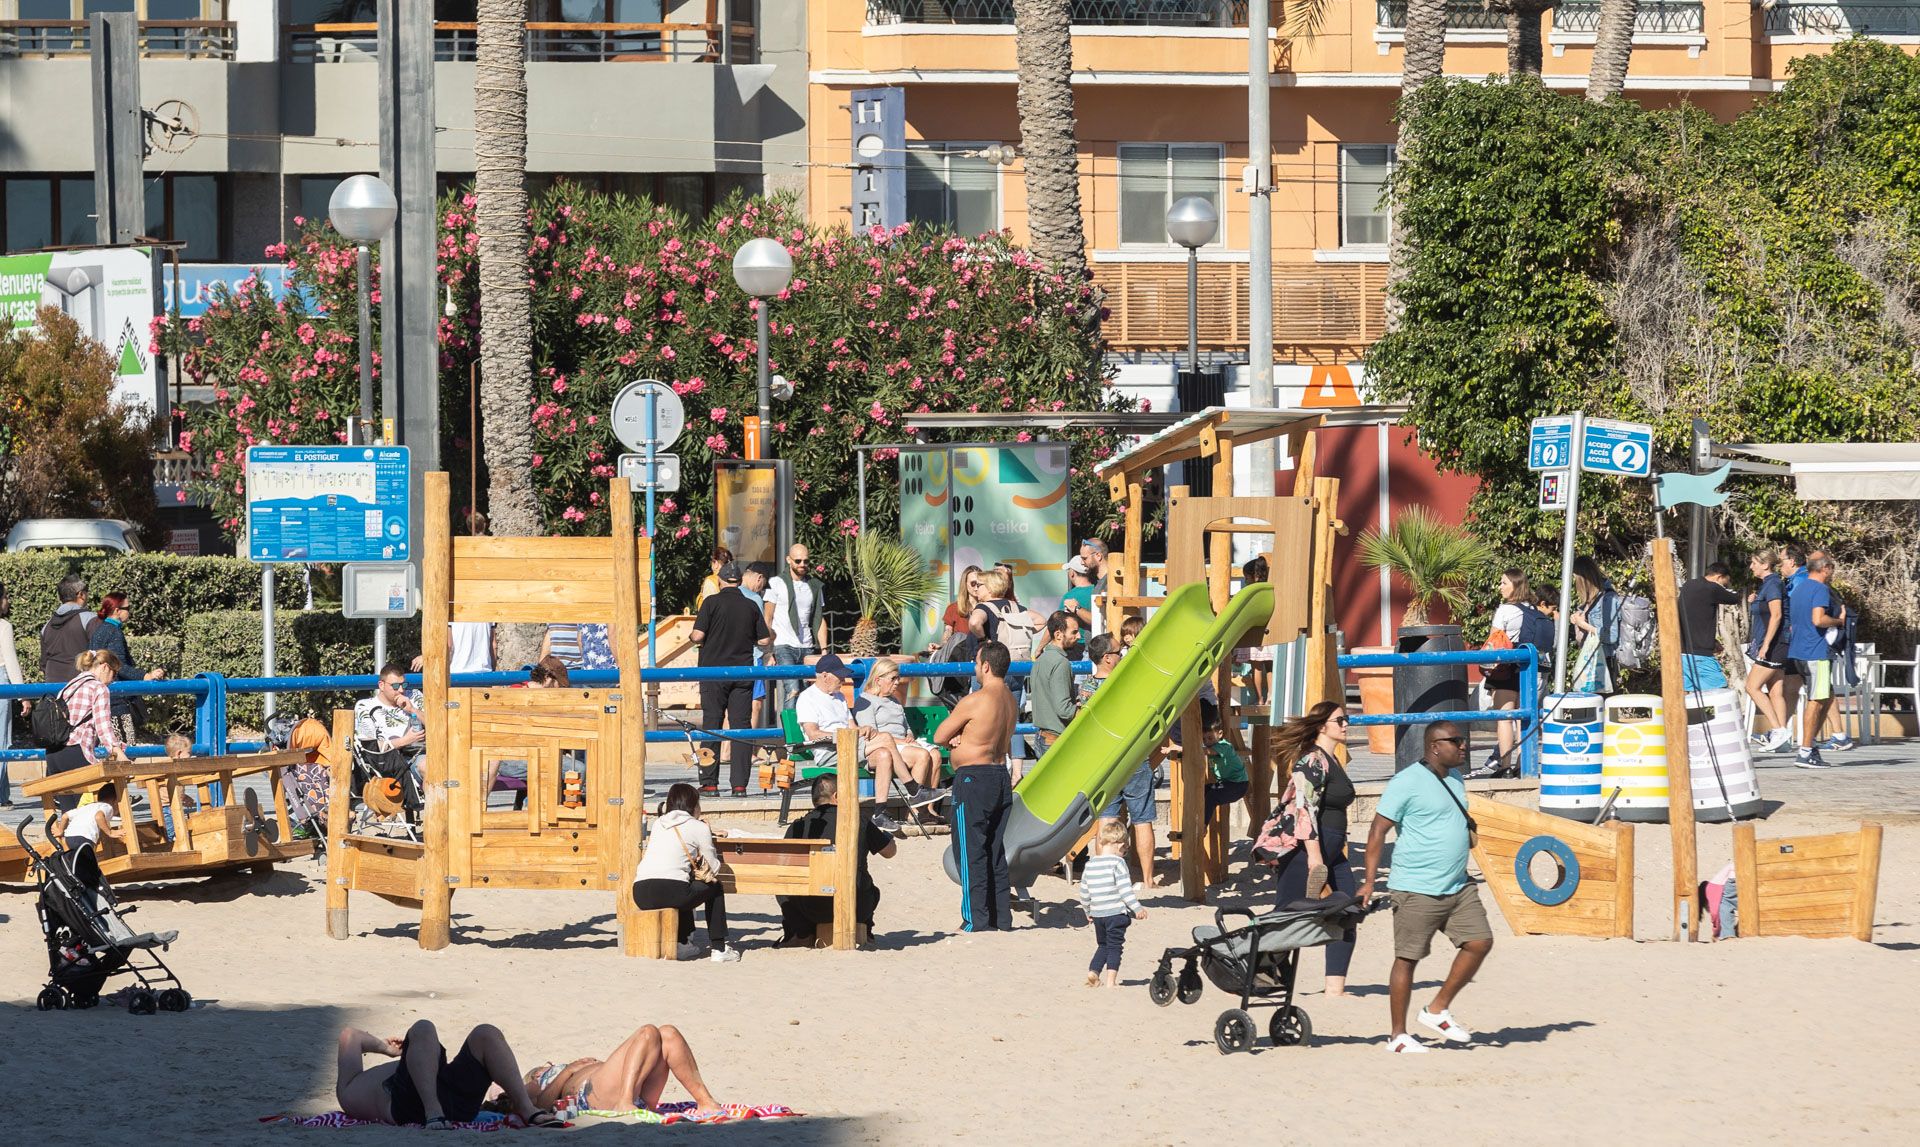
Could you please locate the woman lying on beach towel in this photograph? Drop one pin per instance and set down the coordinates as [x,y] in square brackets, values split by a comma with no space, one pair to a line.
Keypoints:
[421,1087]
[631,1078]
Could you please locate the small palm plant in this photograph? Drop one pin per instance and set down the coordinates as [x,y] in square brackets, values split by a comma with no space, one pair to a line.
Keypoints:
[889,578]
[1436,559]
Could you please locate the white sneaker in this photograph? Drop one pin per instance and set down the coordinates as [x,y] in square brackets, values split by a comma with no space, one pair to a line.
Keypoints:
[1776,740]
[1449,1029]
[1406,1043]
[690,952]
[725,956]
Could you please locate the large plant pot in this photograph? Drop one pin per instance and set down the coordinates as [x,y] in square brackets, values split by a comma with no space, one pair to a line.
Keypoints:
[1425,688]
[1376,698]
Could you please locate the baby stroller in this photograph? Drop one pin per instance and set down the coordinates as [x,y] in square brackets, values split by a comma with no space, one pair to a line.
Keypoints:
[386,791]
[88,940]
[1257,960]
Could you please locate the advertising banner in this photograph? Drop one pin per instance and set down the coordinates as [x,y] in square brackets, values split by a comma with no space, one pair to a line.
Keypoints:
[746,504]
[108,292]
[196,282]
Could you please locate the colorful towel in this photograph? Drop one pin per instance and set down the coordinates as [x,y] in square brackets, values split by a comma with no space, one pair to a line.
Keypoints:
[488,1121]
[684,1112]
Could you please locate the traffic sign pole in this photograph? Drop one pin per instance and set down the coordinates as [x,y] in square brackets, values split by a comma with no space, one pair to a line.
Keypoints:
[653,481]
[1579,452]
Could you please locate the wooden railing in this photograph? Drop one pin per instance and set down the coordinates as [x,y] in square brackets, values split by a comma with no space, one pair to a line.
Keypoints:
[546,43]
[1317,307]
[187,39]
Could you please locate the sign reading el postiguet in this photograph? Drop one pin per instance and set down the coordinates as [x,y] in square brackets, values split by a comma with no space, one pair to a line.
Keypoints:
[327,503]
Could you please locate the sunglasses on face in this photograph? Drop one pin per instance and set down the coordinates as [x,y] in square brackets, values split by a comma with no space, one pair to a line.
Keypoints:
[1337,719]
[1449,740]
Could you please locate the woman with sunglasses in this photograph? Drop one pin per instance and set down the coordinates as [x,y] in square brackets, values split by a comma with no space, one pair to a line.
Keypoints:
[111,635]
[1313,820]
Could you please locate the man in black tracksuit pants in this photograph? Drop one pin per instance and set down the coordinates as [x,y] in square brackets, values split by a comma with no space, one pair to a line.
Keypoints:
[727,628]
[980,731]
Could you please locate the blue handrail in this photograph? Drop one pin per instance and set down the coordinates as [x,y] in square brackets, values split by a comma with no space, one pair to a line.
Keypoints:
[1527,711]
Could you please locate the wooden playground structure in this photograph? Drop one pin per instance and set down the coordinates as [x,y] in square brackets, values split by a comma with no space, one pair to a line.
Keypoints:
[1593,895]
[584,749]
[1302,527]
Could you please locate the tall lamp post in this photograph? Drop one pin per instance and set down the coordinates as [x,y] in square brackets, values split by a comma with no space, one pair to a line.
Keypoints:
[1192,222]
[362,209]
[762,268]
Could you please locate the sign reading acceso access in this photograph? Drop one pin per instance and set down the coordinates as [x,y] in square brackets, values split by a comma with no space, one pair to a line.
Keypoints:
[327,504]
[1550,445]
[1623,448]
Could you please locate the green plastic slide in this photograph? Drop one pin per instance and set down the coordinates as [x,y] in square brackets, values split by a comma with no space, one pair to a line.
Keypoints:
[1183,643]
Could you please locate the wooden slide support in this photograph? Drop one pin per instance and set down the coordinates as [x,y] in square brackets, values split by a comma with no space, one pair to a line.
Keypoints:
[1817,886]
[1600,902]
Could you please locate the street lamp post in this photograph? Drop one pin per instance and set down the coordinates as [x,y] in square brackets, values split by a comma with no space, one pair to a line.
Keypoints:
[762,268]
[1192,223]
[362,209]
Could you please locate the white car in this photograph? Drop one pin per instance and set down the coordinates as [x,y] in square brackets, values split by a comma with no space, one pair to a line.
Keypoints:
[112,535]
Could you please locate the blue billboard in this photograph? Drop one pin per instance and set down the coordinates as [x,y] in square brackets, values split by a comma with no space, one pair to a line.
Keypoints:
[327,503]
[195,293]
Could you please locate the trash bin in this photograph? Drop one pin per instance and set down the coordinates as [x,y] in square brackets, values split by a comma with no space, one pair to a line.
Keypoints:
[1570,738]
[1425,688]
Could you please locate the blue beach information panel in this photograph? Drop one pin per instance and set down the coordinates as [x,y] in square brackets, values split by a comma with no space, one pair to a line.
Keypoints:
[327,503]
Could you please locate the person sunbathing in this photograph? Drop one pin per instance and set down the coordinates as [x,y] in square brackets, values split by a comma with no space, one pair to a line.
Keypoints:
[631,1078]
[421,1086]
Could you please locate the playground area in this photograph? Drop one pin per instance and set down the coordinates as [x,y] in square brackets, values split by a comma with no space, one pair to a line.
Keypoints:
[1766,1040]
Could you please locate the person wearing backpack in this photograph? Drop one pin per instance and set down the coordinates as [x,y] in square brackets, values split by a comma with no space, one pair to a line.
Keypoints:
[999,616]
[1521,624]
[65,635]
[1597,621]
[79,720]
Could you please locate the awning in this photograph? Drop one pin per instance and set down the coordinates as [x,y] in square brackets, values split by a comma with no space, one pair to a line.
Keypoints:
[1843,471]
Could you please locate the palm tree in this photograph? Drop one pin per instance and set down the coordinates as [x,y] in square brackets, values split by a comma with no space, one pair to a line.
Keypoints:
[1425,55]
[1612,48]
[1523,19]
[506,324]
[1436,559]
[1049,145]
[889,578]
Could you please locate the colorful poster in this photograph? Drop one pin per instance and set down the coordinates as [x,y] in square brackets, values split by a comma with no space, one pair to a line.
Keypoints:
[196,282]
[986,505]
[746,503]
[108,292]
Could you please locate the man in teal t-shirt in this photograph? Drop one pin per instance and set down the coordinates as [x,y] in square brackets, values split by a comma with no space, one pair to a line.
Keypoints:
[1078,600]
[1427,805]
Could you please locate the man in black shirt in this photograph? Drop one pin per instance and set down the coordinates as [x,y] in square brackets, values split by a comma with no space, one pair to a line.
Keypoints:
[801,916]
[1700,602]
[726,630]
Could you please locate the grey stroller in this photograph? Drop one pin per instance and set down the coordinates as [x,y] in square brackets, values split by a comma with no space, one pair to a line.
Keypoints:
[1258,960]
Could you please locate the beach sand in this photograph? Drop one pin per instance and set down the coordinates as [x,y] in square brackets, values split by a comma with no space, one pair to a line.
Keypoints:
[936,1037]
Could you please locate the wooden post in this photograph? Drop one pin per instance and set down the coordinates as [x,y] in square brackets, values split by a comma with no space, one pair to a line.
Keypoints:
[339,797]
[1190,786]
[1866,892]
[436,585]
[1746,877]
[629,766]
[846,840]
[1623,880]
[1260,777]
[1673,701]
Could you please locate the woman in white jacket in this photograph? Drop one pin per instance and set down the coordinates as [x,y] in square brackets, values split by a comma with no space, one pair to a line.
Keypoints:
[9,675]
[665,878]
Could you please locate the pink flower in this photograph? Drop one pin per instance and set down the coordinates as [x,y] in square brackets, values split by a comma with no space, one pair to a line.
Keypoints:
[718,414]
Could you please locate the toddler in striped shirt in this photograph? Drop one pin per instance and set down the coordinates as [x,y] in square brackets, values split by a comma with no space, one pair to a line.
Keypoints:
[1106,889]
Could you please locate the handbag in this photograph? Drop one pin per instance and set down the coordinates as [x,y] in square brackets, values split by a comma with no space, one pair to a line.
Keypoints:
[696,862]
[1473,830]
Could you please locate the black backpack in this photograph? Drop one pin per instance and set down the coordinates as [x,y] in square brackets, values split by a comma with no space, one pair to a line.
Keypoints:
[1536,629]
[52,724]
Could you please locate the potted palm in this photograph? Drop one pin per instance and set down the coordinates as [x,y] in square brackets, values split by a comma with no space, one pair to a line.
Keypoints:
[1436,560]
[889,578]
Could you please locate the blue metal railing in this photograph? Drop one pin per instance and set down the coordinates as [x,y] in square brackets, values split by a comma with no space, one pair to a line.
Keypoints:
[1527,711]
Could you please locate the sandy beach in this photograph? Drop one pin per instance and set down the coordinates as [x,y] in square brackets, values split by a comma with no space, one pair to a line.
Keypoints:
[937,1037]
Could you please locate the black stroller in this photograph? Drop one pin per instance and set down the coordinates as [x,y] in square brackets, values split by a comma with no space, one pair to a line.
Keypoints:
[87,939]
[1257,960]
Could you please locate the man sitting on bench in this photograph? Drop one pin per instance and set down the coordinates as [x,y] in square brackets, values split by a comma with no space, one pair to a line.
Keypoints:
[822,712]
[801,916]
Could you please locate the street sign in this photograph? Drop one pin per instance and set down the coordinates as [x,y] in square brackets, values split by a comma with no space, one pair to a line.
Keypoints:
[751,451]
[327,503]
[1553,491]
[666,472]
[379,589]
[1623,448]
[1550,445]
[630,415]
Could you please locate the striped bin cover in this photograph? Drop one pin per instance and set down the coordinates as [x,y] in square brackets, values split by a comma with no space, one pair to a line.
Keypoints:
[1571,734]
[1724,785]
[1635,758]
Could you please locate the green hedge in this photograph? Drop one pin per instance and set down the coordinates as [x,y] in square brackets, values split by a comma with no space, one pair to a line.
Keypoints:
[167,590]
[316,644]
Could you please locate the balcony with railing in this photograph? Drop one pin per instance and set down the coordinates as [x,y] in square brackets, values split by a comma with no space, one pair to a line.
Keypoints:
[1794,18]
[1655,17]
[175,39]
[1321,311]
[547,42]
[1084,13]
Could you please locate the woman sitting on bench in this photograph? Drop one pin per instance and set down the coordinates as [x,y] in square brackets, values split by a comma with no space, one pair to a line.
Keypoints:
[632,1078]
[666,877]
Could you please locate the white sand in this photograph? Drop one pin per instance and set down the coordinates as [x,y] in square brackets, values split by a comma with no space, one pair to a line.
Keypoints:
[942,1038]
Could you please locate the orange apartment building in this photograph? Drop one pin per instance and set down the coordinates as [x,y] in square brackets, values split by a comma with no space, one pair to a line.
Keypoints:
[1161,99]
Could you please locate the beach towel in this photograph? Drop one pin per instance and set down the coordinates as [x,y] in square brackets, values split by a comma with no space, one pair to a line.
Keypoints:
[683,1112]
[488,1121]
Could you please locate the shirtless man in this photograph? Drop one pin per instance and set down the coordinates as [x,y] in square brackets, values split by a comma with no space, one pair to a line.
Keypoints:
[421,1087]
[979,731]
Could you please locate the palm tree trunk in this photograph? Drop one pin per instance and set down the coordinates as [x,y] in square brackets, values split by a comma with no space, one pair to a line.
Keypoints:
[1425,60]
[1049,146]
[1612,49]
[1524,19]
[506,329]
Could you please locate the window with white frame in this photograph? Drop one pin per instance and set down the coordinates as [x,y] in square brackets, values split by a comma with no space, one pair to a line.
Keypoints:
[951,185]
[1154,175]
[1364,219]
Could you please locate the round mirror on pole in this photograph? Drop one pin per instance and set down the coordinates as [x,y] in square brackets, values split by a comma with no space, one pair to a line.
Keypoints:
[362,208]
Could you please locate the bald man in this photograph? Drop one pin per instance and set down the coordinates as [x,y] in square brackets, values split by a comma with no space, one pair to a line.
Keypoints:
[797,614]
